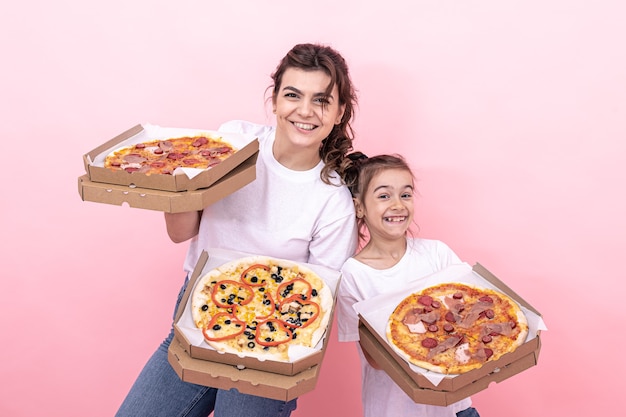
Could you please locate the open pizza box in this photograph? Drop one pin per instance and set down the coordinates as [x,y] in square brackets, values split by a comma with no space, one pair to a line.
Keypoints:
[168,201]
[184,179]
[190,337]
[246,381]
[445,389]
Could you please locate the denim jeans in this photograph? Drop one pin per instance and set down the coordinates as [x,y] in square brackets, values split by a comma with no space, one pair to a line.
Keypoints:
[159,392]
[468,412]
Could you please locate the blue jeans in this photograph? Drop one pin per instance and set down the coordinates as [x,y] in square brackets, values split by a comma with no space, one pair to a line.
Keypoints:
[468,412]
[159,392]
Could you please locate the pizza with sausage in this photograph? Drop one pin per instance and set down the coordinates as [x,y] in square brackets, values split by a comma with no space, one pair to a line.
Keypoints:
[452,328]
[260,306]
[164,156]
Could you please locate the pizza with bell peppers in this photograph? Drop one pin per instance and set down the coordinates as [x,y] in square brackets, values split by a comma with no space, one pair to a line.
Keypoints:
[452,328]
[260,306]
[164,156]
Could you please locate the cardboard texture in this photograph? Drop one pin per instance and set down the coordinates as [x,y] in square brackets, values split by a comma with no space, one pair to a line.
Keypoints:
[278,367]
[246,381]
[164,182]
[421,395]
[169,201]
[452,388]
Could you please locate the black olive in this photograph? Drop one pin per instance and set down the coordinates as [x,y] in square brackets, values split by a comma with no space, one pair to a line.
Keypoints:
[217,327]
[205,307]
[314,292]
[251,345]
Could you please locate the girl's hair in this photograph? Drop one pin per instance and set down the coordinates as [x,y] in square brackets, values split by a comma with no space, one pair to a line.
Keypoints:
[314,57]
[360,170]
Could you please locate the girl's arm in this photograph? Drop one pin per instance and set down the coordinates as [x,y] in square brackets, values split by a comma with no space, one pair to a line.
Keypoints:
[182,226]
[370,360]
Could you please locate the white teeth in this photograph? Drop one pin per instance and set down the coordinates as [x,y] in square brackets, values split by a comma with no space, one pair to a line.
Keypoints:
[395,219]
[304,126]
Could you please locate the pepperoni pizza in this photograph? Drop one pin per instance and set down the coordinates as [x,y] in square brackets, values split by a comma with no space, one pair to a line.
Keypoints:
[164,156]
[452,328]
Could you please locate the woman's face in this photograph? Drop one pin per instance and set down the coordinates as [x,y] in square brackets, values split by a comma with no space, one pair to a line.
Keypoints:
[387,205]
[305,114]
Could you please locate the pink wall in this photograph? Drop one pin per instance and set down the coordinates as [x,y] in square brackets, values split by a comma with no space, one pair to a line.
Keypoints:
[512,114]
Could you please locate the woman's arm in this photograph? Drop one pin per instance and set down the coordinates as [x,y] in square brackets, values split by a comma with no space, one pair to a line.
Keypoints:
[182,226]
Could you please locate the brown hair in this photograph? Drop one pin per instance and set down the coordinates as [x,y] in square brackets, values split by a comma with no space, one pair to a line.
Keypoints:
[312,57]
[361,170]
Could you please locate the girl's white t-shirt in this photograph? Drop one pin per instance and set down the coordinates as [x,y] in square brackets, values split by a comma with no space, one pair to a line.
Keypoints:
[380,395]
[282,213]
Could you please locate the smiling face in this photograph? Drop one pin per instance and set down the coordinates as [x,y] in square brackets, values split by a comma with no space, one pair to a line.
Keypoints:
[387,205]
[305,116]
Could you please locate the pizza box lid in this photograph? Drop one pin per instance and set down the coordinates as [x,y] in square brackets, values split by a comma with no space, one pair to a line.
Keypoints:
[192,179]
[247,381]
[374,313]
[193,342]
[168,201]
[421,395]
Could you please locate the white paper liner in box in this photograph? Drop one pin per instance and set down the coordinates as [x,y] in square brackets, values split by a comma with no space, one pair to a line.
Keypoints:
[153,132]
[219,257]
[376,310]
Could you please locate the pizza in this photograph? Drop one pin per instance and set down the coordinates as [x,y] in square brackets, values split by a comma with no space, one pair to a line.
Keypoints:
[452,328]
[165,155]
[260,306]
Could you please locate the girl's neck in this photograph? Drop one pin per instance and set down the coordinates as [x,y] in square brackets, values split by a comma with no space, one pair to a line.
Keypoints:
[382,254]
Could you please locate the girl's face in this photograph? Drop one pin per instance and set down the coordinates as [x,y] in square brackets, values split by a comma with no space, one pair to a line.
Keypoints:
[387,205]
[305,114]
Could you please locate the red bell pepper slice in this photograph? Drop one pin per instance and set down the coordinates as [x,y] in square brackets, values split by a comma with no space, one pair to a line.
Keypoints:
[297,322]
[236,298]
[275,327]
[216,321]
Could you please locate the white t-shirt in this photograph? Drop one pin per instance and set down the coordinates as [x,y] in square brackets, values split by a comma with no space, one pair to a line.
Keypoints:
[282,213]
[380,395]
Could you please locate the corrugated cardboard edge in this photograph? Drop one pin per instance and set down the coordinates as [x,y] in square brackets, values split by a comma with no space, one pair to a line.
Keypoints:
[458,382]
[246,381]
[283,368]
[168,201]
[422,395]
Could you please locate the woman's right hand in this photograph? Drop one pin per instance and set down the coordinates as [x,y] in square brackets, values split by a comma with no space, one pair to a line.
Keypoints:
[182,226]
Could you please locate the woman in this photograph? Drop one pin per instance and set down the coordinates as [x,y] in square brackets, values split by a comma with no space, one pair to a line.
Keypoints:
[296,209]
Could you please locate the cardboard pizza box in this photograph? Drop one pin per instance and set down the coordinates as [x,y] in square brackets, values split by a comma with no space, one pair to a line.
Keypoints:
[168,201]
[193,343]
[373,315]
[421,395]
[246,381]
[196,179]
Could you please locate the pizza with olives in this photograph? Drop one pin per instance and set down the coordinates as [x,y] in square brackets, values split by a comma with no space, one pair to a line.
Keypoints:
[166,155]
[260,306]
[452,328]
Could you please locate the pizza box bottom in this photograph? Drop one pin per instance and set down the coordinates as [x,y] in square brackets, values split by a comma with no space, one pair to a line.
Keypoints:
[418,394]
[522,358]
[297,366]
[168,201]
[246,381]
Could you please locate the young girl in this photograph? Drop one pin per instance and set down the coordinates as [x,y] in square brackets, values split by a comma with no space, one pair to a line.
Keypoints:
[297,208]
[383,192]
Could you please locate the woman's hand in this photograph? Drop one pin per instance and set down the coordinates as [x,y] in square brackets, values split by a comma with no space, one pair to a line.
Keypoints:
[182,226]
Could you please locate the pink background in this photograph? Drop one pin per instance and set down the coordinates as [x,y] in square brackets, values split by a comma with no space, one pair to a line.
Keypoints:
[512,113]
